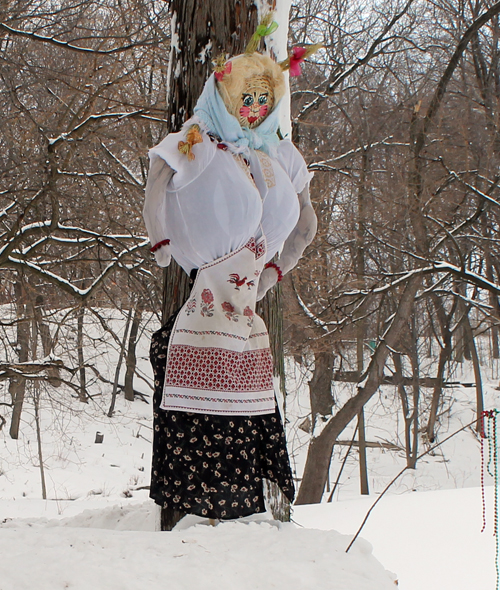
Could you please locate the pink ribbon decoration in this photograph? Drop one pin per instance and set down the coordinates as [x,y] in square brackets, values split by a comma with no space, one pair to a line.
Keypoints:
[295,60]
[227,70]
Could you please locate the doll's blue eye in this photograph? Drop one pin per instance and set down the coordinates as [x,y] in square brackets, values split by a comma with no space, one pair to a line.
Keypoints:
[248,101]
[263,99]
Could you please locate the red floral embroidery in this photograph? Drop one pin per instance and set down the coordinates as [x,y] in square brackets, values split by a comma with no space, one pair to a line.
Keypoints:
[258,249]
[190,306]
[251,245]
[207,307]
[248,313]
[228,309]
[261,250]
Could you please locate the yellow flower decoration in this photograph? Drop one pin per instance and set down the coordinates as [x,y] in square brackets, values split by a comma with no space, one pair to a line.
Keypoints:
[193,136]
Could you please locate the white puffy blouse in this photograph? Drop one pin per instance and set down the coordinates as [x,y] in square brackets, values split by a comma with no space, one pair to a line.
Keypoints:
[213,204]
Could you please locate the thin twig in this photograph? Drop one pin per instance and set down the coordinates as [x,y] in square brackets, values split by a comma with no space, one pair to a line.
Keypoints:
[399,475]
[330,497]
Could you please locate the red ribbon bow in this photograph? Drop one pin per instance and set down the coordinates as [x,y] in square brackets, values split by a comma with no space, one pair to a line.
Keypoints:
[295,60]
[219,74]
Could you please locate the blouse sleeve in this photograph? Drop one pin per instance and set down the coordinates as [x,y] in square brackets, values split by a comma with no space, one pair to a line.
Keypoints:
[154,210]
[187,153]
[293,163]
[303,233]
[175,162]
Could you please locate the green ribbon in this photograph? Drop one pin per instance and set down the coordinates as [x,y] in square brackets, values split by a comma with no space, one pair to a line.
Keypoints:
[263,31]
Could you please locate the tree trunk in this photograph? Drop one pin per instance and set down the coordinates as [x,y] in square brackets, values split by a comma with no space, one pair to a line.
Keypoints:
[82,392]
[47,342]
[320,449]
[17,385]
[363,465]
[414,421]
[36,402]
[493,298]
[361,324]
[462,345]
[403,396]
[320,386]
[477,374]
[119,365]
[444,320]
[131,359]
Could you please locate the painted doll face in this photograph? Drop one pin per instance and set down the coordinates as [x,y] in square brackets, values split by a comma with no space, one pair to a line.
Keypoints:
[256,102]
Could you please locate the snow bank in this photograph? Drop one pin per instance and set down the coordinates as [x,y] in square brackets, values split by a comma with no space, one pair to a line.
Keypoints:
[250,554]
[432,540]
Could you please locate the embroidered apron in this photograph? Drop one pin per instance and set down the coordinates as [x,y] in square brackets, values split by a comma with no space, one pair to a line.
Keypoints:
[219,360]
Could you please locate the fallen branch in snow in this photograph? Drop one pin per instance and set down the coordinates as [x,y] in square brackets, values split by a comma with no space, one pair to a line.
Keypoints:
[372,444]
[30,368]
[401,473]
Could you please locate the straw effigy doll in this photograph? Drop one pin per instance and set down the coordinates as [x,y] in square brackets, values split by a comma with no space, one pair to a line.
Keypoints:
[223,197]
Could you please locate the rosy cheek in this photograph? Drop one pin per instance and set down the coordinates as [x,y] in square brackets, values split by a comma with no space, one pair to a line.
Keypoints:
[245,111]
[263,110]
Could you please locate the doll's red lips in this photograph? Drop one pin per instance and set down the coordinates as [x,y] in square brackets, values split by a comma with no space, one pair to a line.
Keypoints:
[252,119]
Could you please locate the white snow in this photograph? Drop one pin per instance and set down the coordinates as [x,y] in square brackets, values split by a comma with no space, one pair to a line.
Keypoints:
[84,552]
[432,540]
[205,52]
[97,529]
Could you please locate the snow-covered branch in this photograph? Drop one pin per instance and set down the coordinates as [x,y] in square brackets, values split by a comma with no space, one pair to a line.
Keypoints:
[71,44]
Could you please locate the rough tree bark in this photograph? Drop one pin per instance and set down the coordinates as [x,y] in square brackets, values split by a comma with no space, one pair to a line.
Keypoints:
[320,386]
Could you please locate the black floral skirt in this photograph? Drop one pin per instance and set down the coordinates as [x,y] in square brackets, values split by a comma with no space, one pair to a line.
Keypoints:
[212,465]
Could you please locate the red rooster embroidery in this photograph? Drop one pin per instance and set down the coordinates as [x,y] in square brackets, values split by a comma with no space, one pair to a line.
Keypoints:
[234,278]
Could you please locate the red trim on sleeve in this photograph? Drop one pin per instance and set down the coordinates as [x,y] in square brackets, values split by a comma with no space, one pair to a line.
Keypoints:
[277,268]
[159,245]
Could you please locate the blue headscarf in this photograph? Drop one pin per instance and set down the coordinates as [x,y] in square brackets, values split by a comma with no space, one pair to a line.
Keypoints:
[212,111]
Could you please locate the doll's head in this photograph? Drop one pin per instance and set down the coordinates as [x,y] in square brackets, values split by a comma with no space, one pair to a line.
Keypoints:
[251,85]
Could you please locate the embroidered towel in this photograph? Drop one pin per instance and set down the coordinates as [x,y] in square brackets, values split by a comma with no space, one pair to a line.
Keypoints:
[218,360]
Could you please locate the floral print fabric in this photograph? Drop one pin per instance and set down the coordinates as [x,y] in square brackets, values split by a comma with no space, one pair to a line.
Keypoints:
[213,465]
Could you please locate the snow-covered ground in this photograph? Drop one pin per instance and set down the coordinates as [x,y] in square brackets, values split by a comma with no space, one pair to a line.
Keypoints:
[244,555]
[97,527]
[429,540]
